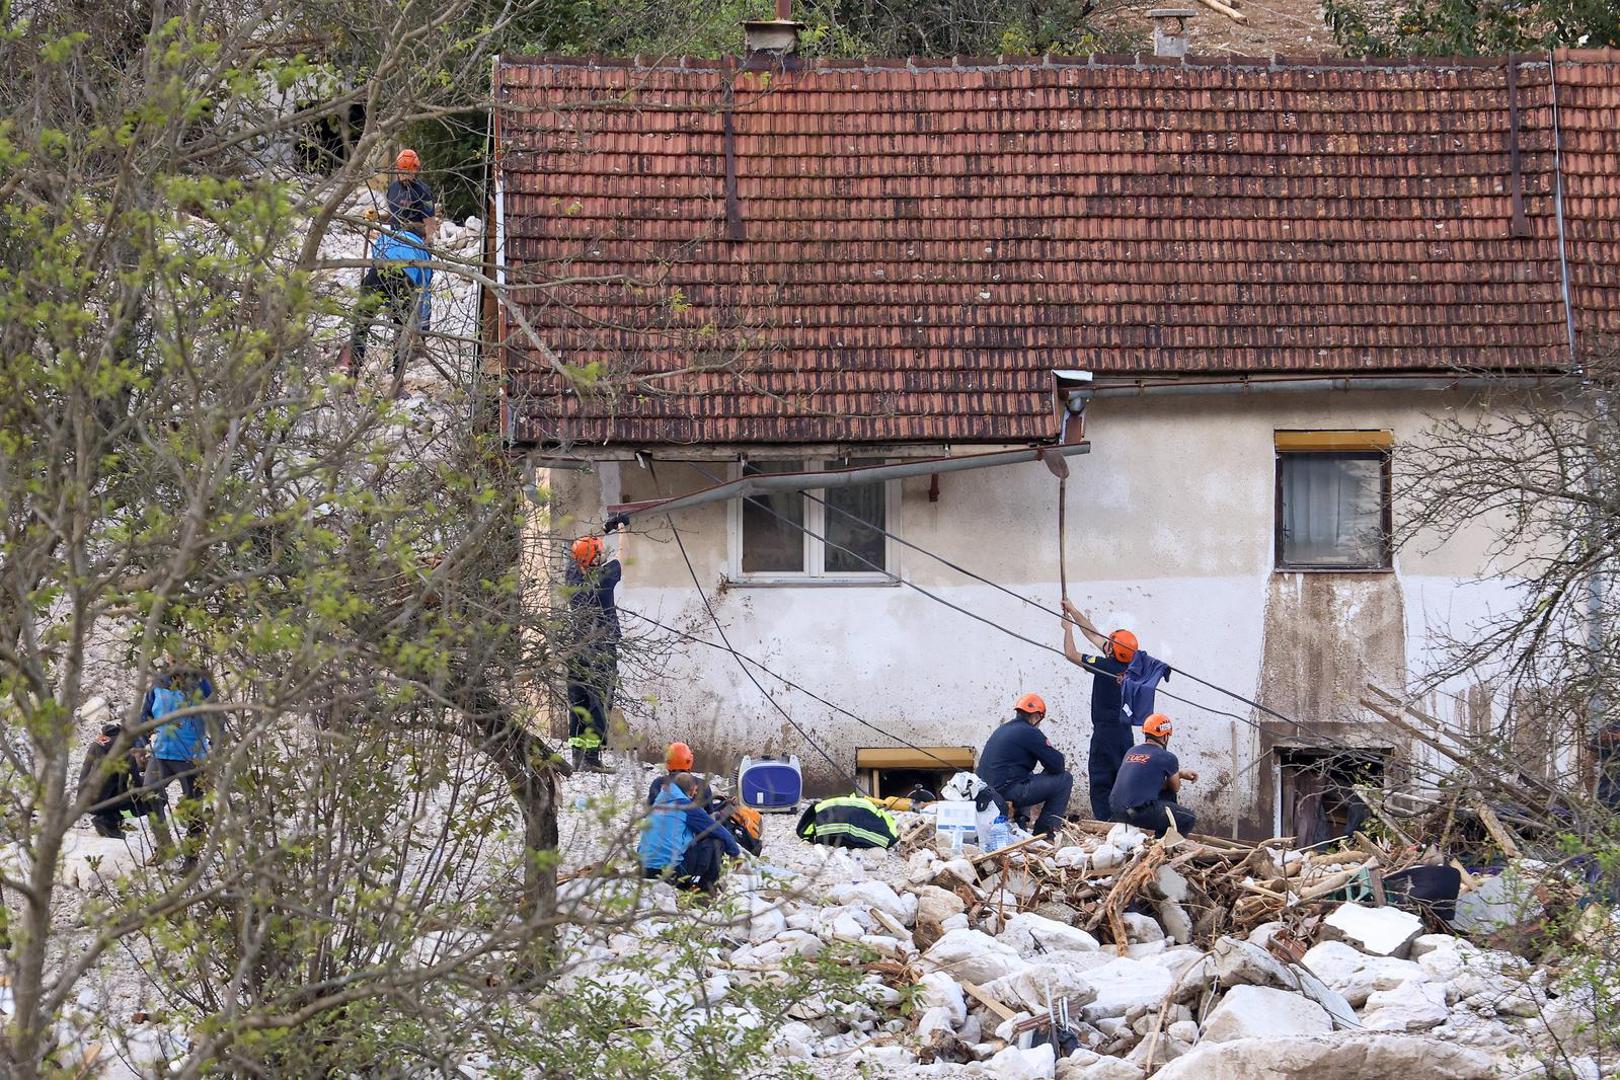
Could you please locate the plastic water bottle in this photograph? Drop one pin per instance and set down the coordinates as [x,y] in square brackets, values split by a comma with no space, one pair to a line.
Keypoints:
[1000,833]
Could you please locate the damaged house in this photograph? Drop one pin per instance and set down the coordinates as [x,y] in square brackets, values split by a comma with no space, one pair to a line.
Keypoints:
[842,322]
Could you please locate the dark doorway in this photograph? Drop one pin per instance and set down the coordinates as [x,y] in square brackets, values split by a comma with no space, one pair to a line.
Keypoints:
[1319,800]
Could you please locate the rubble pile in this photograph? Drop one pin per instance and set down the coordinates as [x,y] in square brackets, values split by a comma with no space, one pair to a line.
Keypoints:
[1109,955]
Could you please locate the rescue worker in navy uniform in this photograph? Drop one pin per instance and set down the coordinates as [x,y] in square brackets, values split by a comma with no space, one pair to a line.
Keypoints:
[1149,780]
[1008,765]
[593,662]
[1111,734]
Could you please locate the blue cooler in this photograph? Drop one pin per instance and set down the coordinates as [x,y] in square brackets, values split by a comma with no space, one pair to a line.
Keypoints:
[770,785]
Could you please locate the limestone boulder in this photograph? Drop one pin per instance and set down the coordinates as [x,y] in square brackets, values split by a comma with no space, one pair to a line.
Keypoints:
[935,904]
[1355,974]
[1032,935]
[1383,931]
[974,956]
[1261,1012]
[1375,1056]
[1123,984]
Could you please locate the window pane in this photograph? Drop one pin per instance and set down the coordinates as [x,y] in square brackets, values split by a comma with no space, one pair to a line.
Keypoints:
[773,544]
[1333,510]
[853,545]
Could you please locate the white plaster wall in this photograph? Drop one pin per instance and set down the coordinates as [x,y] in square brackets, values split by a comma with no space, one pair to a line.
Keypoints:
[1170,534]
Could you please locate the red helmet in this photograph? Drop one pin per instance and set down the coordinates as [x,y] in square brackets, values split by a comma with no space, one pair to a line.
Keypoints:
[408,161]
[1122,645]
[587,549]
[1158,725]
[678,758]
[1031,703]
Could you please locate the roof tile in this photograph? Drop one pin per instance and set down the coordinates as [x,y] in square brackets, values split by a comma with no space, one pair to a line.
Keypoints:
[920,244]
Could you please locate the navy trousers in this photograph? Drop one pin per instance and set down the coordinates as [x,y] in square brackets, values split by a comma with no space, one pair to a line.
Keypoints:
[1150,817]
[1049,791]
[1109,744]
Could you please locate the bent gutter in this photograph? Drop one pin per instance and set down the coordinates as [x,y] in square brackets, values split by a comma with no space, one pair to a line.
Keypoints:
[768,483]
[1343,383]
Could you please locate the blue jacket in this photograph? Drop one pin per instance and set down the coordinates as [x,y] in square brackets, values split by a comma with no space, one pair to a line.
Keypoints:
[404,246]
[1012,751]
[675,822]
[1138,691]
[185,738]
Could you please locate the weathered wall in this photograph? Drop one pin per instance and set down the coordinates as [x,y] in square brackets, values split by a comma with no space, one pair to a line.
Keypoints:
[1170,534]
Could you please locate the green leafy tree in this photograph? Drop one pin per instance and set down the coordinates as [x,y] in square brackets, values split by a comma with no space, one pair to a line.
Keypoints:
[1470,27]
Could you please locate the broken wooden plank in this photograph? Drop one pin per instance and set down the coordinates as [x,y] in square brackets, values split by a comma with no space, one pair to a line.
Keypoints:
[1498,831]
[1230,12]
[988,1000]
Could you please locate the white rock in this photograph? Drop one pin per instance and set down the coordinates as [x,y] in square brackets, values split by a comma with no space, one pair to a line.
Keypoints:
[1061,975]
[1070,856]
[1339,1057]
[1171,885]
[1140,928]
[937,990]
[1109,1069]
[1033,935]
[1123,984]
[960,870]
[1036,1063]
[1425,944]
[955,922]
[876,894]
[1178,925]
[1412,1006]
[1260,1012]
[765,919]
[975,957]
[473,224]
[1126,838]
[921,867]
[1185,1031]
[890,1057]
[1357,975]
[796,1040]
[1107,857]
[934,1022]
[1384,931]
[935,904]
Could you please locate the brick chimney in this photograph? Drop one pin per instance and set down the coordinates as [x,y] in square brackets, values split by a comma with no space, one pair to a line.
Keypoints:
[1170,30]
[773,37]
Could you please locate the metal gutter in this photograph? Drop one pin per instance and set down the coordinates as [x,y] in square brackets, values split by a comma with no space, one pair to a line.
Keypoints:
[1345,383]
[768,483]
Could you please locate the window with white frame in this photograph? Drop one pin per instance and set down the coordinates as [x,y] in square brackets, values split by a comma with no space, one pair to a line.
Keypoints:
[818,534]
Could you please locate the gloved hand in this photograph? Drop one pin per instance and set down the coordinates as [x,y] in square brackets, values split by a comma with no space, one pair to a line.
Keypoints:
[615,523]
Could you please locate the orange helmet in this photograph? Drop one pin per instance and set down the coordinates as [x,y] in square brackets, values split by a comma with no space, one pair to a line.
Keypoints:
[587,549]
[408,161]
[1157,725]
[1031,703]
[678,758]
[1122,645]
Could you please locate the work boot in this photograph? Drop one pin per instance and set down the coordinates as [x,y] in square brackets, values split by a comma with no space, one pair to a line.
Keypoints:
[593,761]
[107,828]
[575,757]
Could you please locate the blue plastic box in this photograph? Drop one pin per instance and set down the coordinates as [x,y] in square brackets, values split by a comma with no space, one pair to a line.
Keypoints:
[770,784]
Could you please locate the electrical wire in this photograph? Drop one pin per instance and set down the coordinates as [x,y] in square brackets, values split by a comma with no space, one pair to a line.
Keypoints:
[790,684]
[1036,604]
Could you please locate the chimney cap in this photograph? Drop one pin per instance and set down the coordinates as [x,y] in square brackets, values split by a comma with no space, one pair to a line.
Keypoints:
[771,35]
[1170,30]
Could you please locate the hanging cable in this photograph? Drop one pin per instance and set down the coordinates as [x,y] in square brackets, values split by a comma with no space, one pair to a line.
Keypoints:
[1010,592]
[790,684]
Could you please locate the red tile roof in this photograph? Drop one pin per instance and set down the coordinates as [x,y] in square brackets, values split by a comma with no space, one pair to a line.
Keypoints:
[912,248]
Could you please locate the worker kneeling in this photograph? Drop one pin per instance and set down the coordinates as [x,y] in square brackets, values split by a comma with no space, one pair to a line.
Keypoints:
[682,841]
[1008,765]
[1144,793]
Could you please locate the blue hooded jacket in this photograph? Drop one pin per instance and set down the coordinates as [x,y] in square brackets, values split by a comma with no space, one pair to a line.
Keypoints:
[185,738]
[674,823]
